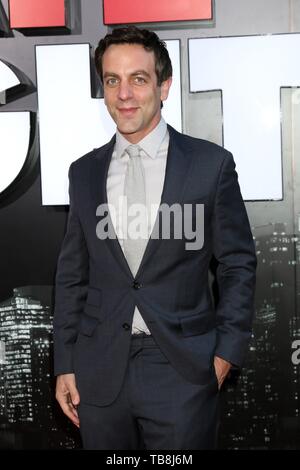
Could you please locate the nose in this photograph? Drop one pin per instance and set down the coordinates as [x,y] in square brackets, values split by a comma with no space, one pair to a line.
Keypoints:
[125,90]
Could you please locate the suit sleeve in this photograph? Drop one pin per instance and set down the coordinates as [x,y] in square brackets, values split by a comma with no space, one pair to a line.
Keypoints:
[234,249]
[70,288]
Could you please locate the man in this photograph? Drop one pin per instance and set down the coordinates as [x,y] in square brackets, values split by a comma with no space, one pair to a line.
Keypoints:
[140,351]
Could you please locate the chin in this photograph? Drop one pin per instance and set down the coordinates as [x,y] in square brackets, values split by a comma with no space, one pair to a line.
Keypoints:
[127,129]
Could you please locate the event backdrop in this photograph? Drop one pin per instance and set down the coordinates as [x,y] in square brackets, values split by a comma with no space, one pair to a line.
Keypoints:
[236,83]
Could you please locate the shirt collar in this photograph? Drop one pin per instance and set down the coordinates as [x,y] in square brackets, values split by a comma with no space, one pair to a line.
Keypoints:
[149,144]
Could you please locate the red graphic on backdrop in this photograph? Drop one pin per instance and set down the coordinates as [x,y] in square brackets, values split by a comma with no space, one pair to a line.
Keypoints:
[145,11]
[37,13]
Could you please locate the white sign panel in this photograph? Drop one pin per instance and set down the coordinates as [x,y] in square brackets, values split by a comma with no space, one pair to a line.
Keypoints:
[249,71]
[14,133]
[14,145]
[72,123]
[8,78]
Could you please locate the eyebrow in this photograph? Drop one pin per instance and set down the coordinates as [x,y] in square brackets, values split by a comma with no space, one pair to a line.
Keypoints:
[141,72]
[110,74]
[137,72]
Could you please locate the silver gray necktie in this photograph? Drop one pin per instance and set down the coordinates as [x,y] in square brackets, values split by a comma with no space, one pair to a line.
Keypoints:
[134,190]
[134,244]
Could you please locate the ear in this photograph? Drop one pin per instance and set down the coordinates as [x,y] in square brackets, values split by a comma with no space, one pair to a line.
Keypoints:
[164,89]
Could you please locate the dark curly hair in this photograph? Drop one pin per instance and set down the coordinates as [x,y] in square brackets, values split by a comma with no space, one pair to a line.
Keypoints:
[133,35]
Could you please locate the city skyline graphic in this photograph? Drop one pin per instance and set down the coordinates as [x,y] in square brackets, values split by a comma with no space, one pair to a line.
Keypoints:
[260,407]
[29,417]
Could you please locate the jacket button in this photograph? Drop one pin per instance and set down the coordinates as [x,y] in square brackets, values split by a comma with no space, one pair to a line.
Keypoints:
[126,326]
[136,285]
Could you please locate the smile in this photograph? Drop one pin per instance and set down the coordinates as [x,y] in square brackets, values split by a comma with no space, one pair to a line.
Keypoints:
[127,111]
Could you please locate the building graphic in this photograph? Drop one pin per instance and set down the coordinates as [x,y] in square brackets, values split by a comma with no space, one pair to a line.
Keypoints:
[260,408]
[27,408]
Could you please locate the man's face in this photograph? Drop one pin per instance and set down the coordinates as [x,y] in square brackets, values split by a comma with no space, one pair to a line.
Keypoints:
[131,93]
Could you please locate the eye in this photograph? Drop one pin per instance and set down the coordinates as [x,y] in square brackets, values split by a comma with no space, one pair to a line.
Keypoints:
[139,80]
[111,82]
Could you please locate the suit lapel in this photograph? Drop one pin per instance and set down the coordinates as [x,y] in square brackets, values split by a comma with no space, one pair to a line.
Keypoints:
[178,165]
[98,178]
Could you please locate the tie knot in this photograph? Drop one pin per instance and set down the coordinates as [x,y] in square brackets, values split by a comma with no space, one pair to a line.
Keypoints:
[133,151]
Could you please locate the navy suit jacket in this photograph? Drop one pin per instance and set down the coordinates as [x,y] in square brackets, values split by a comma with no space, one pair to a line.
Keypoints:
[96,292]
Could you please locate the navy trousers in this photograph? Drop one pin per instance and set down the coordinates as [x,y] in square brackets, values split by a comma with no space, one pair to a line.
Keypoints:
[156,409]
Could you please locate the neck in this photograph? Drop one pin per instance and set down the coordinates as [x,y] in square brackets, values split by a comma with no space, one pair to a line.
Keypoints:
[136,137]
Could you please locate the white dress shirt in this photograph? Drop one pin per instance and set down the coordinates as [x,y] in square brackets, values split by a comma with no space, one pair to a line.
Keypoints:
[154,150]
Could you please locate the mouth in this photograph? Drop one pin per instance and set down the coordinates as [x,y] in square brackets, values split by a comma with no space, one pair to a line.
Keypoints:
[127,111]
